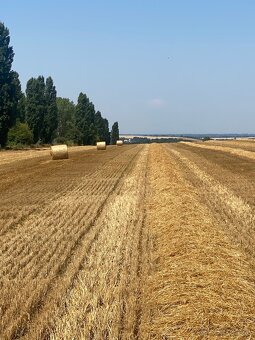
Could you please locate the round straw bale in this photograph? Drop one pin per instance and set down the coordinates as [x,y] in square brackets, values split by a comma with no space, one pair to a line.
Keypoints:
[59,152]
[119,142]
[101,146]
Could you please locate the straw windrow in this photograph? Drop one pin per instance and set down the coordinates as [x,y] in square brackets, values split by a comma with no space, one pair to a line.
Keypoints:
[200,285]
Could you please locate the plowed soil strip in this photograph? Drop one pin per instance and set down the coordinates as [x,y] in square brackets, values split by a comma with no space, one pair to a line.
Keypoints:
[199,284]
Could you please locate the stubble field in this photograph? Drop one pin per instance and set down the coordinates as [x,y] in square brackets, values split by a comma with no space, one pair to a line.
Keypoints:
[135,242]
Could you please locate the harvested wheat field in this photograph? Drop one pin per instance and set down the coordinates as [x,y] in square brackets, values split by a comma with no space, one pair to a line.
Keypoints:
[139,242]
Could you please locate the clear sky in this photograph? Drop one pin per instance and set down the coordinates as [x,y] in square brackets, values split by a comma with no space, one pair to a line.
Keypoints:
[156,66]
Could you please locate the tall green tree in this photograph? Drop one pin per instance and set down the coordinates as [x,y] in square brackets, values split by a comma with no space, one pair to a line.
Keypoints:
[90,119]
[106,132]
[115,133]
[50,121]
[35,107]
[21,109]
[85,120]
[10,89]
[66,119]
[80,118]
[100,126]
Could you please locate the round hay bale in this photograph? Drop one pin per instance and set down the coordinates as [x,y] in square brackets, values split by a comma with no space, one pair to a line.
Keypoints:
[59,152]
[101,146]
[119,142]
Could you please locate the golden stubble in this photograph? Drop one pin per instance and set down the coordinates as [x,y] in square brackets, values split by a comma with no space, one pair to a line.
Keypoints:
[200,284]
[237,149]
[103,302]
[7,157]
[121,245]
[44,250]
[236,213]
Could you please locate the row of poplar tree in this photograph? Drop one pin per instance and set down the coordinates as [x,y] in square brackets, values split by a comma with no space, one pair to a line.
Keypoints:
[39,116]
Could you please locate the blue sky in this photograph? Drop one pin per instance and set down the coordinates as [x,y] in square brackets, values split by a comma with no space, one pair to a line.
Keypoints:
[165,66]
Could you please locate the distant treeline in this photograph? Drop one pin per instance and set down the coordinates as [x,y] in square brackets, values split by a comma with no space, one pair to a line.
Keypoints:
[145,140]
[38,116]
